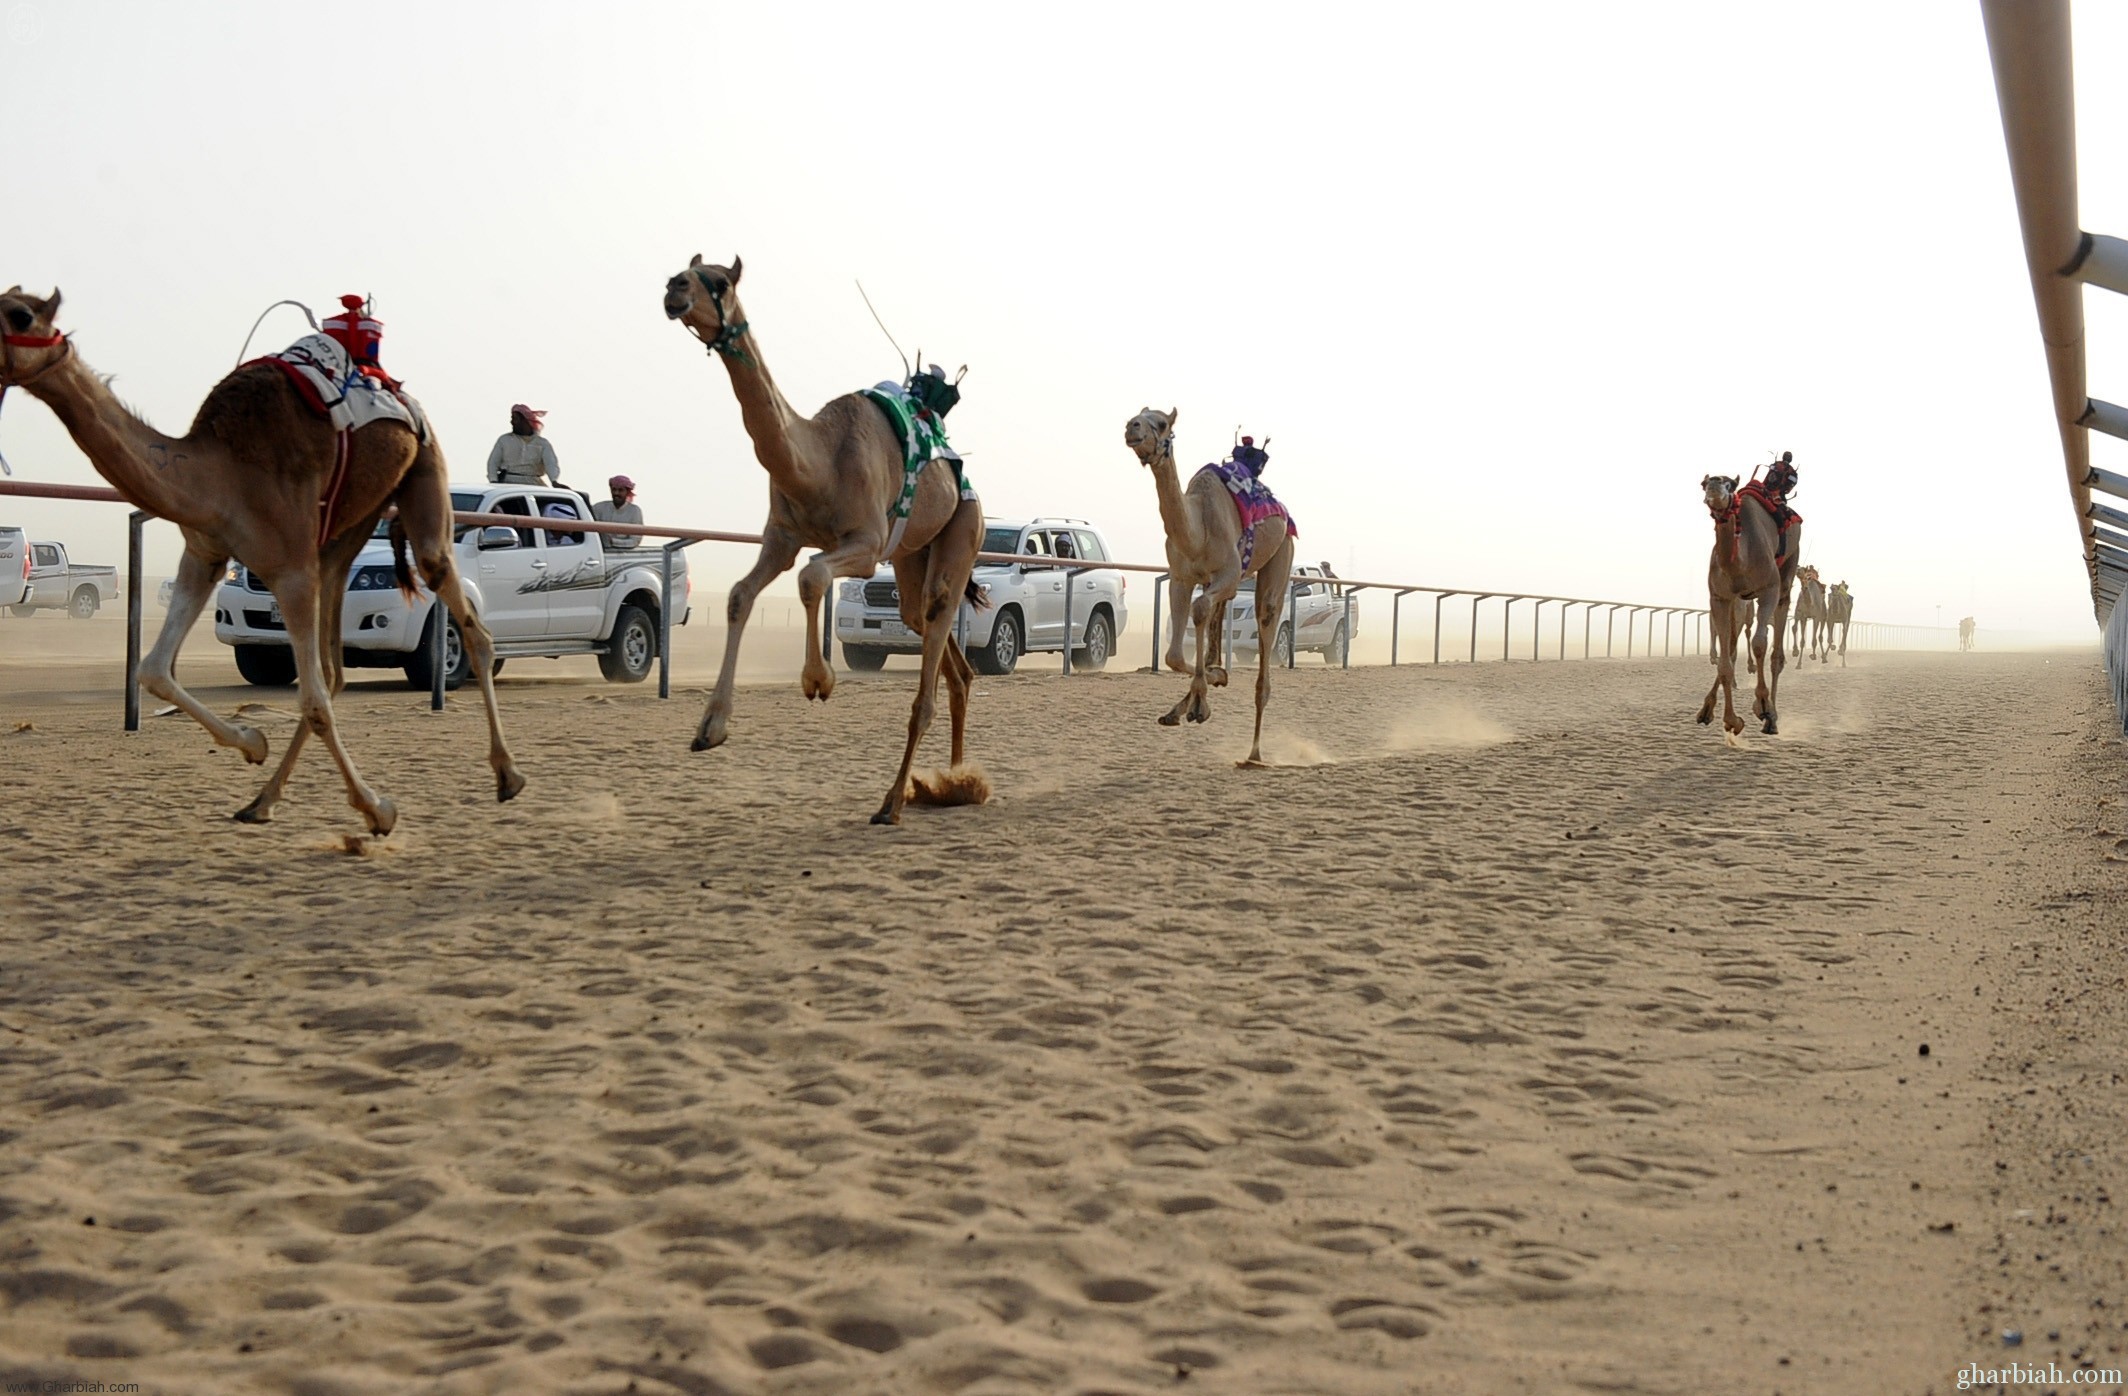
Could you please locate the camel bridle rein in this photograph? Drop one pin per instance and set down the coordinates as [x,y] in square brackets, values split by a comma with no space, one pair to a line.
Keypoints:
[726,340]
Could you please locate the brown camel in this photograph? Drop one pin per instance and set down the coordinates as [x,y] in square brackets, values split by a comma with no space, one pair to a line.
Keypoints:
[247,481]
[1747,565]
[834,480]
[1839,611]
[1812,636]
[1204,549]
[1965,633]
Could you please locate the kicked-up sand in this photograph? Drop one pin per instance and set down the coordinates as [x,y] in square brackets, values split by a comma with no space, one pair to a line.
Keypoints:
[1514,1034]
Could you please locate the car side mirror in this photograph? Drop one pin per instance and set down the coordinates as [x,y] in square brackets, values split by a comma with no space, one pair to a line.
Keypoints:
[497,536]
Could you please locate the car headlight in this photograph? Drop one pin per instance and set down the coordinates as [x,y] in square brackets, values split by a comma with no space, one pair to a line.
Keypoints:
[376,578]
[853,590]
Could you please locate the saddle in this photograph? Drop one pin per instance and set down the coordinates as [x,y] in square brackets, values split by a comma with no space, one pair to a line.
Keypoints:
[1253,503]
[923,440]
[349,397]
[1784,518]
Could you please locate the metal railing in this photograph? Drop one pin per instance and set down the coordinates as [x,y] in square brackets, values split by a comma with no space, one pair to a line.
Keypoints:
[1683,628]
[2030,45]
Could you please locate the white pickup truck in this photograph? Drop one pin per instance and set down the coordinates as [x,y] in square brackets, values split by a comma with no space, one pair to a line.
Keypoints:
[58,584]
[1060,559]
[1328,618]
[14,567]
[543,590]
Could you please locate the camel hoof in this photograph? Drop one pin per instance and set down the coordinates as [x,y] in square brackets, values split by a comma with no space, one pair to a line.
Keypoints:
[507,784]
[1170,719]
[252,742]
[1706,716]
[1254,763]
[254,813]
[1217,678]
[887,816]
[1200,713]
[1175,664]
[1772,728]
[384,818]
[820,686]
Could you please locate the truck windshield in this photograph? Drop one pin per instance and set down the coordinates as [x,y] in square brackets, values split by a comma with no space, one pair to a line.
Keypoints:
[1001,540]
[461,501]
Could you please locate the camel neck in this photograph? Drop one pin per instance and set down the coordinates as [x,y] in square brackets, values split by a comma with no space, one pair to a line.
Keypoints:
[153,471]
[1174,512]
[768,418]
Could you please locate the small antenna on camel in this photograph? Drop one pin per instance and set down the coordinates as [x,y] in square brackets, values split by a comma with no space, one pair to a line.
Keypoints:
[906,371]
[262,320]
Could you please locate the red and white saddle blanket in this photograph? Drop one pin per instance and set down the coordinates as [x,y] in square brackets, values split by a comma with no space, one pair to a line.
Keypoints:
[343,394]
[349,399]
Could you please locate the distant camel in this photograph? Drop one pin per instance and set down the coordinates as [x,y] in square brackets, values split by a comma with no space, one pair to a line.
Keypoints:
[841,481]
[249,482]
[1839,610]
[1965,633]
[1811,636]
[1749,564]
[1208,546]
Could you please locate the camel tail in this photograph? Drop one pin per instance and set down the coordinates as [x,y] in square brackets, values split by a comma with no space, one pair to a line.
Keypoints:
[978,596]
[963,785]
[401,568]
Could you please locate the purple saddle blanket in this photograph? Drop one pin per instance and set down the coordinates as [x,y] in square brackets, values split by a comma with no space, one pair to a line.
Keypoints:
[1255,504]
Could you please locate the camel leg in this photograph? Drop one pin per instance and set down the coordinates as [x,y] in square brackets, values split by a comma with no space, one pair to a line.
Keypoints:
[1195,705]
[960,676]
[1731,638]
[1270,611]
[1717,626]
[334,570]
[197,574]
[1179,591]
[1770,673]
[298,594]
[425,512]
[1192,702]
[778,551]
[1215,669]
[941,571]
[850,558]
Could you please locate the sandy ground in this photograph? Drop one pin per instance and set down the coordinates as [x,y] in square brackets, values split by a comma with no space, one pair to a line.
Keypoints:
[1516,1035]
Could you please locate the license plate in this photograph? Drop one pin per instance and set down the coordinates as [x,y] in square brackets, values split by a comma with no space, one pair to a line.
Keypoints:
[273,612]
[893,627]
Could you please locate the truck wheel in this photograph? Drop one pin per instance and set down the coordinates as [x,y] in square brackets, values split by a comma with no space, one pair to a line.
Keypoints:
[1002,654]
[1282,647]
[268,666]
[82,604]
[866,657]
[633,649]
[22,612]
[457,667]
[1100,644]
[1334,652]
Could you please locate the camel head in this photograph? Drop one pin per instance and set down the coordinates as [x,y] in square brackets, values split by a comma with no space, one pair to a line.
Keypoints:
[1720,491]
[1151,434]
[30,341]
[704,298]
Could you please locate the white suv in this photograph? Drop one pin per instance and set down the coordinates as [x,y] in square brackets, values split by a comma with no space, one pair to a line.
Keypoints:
[1027,602]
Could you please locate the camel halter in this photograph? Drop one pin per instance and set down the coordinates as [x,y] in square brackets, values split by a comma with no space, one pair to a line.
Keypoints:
[726,340]
[11,342]
[1732,517]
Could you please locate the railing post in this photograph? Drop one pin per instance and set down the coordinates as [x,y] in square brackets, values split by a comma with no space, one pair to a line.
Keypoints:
[1610,627]
[1071,574]
[437,634]
[1588,617]
[1537,629]
[1159,591]
[1437,624]
[1474,624]
[665,619]
[1292,627]
[1345,650]
[133,566]
[1507,621]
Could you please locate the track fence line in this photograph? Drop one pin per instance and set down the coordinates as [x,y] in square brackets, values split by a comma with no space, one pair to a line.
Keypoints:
[2030,45]
[1682,628]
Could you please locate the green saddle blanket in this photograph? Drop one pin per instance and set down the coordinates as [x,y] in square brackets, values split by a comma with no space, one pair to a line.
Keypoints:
[923,440]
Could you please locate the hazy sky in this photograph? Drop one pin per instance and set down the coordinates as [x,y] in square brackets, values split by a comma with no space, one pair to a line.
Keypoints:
[1501,281]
